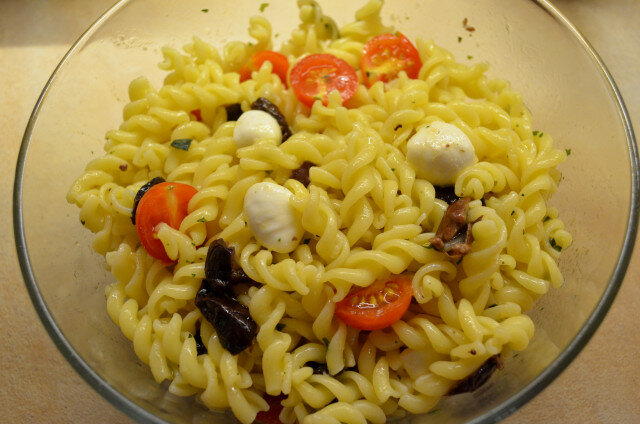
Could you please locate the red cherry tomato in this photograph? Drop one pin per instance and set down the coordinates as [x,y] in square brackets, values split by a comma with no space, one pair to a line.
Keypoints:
[272,416]
[279,62]
[165,202]
[377,306]
[384,56]
[315,76]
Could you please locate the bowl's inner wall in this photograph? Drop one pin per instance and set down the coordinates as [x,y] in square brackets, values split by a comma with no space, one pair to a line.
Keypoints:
[561,84]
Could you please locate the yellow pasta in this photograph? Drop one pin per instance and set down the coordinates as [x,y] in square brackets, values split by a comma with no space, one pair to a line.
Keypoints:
[366,215]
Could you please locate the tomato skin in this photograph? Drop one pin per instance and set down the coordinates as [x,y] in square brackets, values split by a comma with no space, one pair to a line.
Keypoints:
[384,56]
[165,202]
[391,299]
[316,75]
[280,65]
[197,114]
[272,416]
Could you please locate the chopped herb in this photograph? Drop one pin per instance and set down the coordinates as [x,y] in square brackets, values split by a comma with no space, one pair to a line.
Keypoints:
[542,309]
[535,133]
[399,377]
[469,57]
[395,33]
[522,232]
[112,152]
[263,6]
[306,241]
[459,39]
[458,262]
[82,221]
[277,34]
[522,195]
[203,220]
[393,169]
[492,306]
[568,152]
[541,134]
[250,44]
[517,125]
[326,341]
[279,326]
[556,246]
[546,218]
[205,10]
[279,239]
[513,212]
[193,275]
[181,143]
[317,236]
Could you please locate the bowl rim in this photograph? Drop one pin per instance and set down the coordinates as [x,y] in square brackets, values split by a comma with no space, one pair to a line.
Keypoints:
[493,415]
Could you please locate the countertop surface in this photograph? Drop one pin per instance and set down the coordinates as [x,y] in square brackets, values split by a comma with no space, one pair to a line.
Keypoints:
[601,386]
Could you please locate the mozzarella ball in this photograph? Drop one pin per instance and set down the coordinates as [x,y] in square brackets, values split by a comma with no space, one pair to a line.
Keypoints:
[439,152]
[274,222]
[254,125]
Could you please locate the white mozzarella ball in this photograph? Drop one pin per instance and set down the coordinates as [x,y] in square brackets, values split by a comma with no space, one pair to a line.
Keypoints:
[254,125]
[439,152]
[273,221]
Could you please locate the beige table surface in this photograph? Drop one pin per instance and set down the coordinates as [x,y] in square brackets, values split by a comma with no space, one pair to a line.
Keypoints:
[601,386]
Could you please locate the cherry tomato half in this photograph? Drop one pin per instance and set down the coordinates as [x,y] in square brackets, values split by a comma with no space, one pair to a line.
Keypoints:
[377,306]
[165,202]
[315,76]
[384,56]
[279,62]
[272,416]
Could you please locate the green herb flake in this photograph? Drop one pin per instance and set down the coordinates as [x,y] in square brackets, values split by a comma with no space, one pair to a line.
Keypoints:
[556,246]
[193,275]
[458,262]
[203,220]
[263,6]
[541,134]
[279,326]
[393,169]
[326,341]
[82,221]
[181,144]
[492,306]
[546,218]
[469,57]
[517,125]
[277,34]
[568,152]
[399,377]
[513,212]
[535,133]
[459,39]
[279,239]
[306,241]
[205,10]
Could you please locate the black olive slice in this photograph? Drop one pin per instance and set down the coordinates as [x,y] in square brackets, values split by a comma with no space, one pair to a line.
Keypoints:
[266,106]
[140,193]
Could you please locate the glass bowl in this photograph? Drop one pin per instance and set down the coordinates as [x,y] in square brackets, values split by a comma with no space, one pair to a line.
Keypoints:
[564,83]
